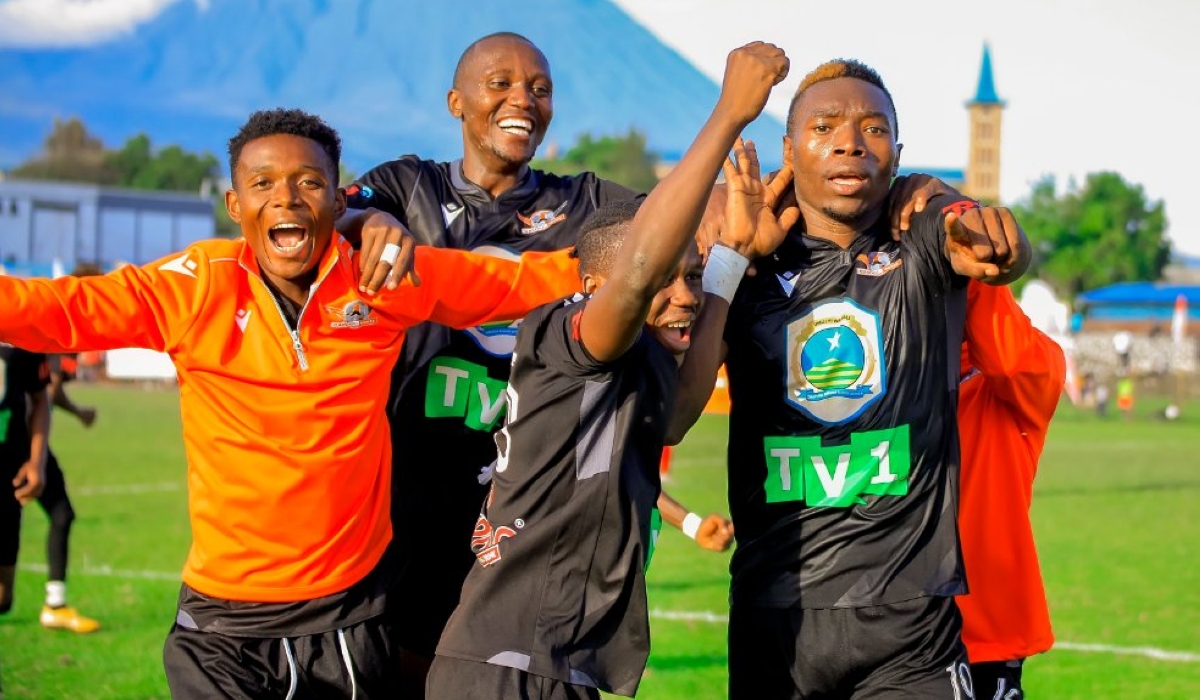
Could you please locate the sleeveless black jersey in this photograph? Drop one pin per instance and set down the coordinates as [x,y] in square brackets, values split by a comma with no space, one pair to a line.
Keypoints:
[21,373]
[448,388]
[558,588]
[843,445]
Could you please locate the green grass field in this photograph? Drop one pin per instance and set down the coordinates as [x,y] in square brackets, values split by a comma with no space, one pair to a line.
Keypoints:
[1117,514]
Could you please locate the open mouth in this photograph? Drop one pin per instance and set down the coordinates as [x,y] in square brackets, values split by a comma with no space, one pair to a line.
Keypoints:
[676,336]
[288,238]
[516,126]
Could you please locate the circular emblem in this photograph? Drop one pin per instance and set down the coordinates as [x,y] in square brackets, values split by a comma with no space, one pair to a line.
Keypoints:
[833,358]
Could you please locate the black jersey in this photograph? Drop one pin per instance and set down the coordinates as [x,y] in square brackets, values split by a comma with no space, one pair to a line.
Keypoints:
[843,445]
[561,546]
[448,388]
[21,373]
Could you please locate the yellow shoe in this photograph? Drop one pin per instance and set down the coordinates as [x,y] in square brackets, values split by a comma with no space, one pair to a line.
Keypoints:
[67,619]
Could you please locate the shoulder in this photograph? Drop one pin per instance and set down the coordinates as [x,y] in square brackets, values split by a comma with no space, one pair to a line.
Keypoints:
[585,182]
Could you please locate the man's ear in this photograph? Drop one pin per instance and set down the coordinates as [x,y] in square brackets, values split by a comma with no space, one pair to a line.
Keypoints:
[896,163]
[787,150]
[590,283]
[339,202]
[233,206]
[454,103]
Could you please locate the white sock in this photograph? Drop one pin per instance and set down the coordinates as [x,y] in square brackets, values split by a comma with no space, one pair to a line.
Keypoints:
[56,594]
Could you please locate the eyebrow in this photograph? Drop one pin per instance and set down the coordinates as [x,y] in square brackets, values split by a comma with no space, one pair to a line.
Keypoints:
[266,168]
[870,114]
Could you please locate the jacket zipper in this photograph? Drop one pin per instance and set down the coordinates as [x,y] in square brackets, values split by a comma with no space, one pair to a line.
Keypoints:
[297,346]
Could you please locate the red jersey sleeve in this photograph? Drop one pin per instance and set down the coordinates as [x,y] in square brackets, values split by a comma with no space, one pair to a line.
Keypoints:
[461,289]
[1023,366]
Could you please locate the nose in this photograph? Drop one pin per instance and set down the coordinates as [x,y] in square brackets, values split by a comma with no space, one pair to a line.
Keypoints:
[285,194]
[520,95]
[683,294]
[849,141]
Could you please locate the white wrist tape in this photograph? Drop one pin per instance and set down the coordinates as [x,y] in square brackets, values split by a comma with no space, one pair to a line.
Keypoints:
[724,271]
[691,524]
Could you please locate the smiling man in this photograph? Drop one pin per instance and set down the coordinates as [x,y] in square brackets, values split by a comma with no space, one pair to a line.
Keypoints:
[283,368]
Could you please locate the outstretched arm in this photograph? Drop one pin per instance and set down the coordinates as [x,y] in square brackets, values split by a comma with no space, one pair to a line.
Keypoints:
[986,244]
[666,224]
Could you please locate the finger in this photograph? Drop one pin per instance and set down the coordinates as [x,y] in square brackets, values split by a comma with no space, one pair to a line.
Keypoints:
[404,264]
[778,186]
[788,218]
[369,260]
[997,237]
[730,170]
[739,155]
[955,230]
[751,154]
[976,270]
[1012,234]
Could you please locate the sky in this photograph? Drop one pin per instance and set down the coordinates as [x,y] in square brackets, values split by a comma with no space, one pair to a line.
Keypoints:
[1090,85]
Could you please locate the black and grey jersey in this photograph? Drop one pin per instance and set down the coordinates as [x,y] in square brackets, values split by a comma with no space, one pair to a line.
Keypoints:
[843,445]
[558,588]
[21,373]
[448,389]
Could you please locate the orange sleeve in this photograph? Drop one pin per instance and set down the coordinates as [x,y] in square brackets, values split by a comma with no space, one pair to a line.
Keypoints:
[1023,366]
[461,289]
[146,307]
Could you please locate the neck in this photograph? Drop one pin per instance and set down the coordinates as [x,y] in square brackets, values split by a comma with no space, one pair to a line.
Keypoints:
[495,179]
[819,224]
[296,291]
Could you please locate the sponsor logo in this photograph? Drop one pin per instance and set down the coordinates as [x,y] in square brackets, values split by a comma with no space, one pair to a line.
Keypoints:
[356,314]
[451,212]
[877,264]
[456,388]
[486,539]
[183,265]
[961,207]
[875,463]
[787,280]
[242,319]
[542,219]
[835,361]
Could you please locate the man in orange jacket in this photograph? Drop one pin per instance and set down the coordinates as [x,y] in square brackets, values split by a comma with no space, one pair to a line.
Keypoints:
[283,371]
[1012,377]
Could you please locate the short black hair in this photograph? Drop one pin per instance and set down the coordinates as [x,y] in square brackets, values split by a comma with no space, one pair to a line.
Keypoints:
[601,236]
[294,122]
[466,54]
[841,68]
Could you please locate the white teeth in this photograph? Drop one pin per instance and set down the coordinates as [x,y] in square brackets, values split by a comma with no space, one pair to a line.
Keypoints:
[516,124]
[279,226]
[680,324]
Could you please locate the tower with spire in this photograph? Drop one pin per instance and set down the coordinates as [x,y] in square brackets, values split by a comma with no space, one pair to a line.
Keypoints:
[983,159]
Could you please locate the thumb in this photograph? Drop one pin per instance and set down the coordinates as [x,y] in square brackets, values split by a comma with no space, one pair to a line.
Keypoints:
[954,229]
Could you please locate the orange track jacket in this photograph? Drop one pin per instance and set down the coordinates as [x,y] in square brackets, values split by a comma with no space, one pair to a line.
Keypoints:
[286,438]
[1004,412]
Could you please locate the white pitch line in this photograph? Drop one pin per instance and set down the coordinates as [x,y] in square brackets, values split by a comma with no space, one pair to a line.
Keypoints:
[1148,652]
[109,572]
[126,489]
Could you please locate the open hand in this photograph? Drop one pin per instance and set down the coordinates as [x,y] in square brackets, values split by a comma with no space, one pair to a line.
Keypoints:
[751,226]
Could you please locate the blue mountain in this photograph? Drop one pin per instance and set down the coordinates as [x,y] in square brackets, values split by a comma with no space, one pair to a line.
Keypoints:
[377,70]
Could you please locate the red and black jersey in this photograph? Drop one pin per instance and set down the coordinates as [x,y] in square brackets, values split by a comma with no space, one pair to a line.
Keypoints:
[558,588]
[843,446]
[22,373]
[448,389]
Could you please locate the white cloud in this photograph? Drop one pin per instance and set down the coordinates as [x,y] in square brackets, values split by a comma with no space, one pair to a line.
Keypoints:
[57,23]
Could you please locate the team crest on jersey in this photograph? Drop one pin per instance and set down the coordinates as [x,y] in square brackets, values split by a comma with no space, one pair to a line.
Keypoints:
[835,361]
[496,339]
[877,264]
[356,314]
[485,541]
[543,219]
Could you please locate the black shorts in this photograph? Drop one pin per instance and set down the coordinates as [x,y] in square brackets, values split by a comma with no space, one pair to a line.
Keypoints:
[998,680]
[903,651]
[352,662]
[10,517]
[458,679]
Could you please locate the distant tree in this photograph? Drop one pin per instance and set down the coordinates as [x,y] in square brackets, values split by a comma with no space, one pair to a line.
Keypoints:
[622,159]
[1089,237]
[69,153]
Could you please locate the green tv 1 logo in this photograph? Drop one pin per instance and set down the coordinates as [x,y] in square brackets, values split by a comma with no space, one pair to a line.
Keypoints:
[876,462]
[459,389]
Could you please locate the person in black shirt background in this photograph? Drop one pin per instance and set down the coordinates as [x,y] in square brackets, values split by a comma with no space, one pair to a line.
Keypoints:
[556,607]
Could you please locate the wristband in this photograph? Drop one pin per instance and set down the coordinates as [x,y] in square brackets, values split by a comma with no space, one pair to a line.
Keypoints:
[723,272]
[691,524]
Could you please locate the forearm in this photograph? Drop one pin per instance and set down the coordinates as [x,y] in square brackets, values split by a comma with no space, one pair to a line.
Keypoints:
[672,510]
[698,373]
[39,429]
